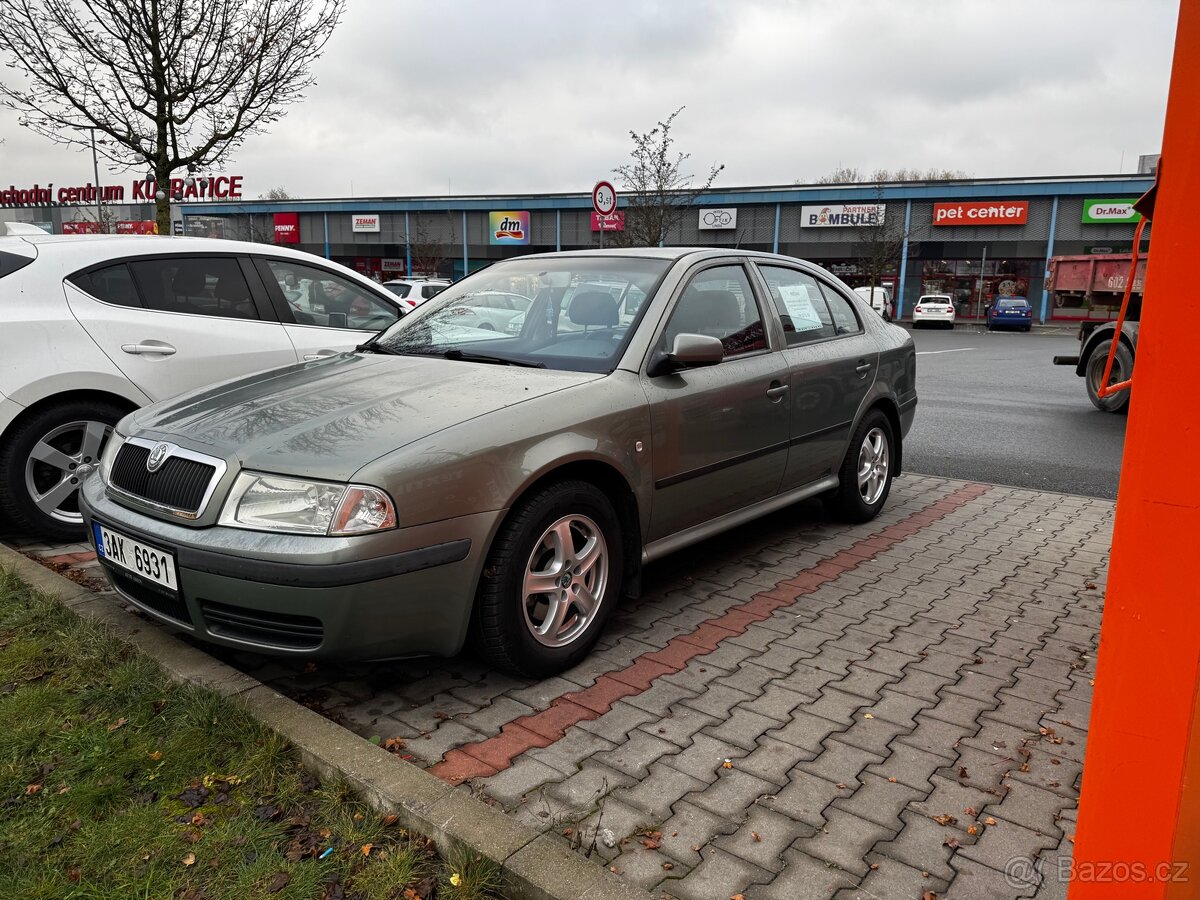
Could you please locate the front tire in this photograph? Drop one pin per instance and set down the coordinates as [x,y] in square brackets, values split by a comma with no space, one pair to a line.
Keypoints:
[865,478]
[552,576]
[1121,370]
[39,484]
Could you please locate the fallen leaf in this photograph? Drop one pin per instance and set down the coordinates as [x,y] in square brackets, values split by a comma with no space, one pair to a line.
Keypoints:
[929,895]
[155,755]
[840,786]
[117,724]
[695,848]
[310,667]
[868,716]
[667,867]
[970,810]
[874,866]
[650,843]
[945,819]
[989,821]
[366,849]
[972,829]
[962,771]
[73,873]
[1024,767]
[190,859]
[199,819]
[358,817]
[952,843]
[279,882]
[892,779]
[738,897]
[567,832]
[757,837]
[31,789]
[728,764]
[394,745]
[390,819]
[924,874]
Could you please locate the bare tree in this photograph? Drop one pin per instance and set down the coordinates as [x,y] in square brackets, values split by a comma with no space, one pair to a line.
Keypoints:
[430,244]
[173,84]
[657,189]
[276,193]
[852,175]
[880,243]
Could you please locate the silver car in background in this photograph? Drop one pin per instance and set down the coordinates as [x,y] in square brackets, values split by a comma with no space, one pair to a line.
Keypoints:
[445,482]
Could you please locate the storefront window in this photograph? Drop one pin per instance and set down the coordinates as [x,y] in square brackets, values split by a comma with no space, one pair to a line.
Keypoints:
[975,284]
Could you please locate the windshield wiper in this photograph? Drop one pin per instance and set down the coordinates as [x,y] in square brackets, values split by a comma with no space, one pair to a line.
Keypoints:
[374,347]
[485,358]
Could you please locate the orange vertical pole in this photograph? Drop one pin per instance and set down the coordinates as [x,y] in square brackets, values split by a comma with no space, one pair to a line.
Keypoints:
[1138,811]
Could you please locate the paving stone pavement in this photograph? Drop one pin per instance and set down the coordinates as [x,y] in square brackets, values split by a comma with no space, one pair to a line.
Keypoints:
[796,709]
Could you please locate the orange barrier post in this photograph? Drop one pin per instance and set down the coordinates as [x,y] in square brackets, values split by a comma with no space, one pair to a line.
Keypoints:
[1139,820]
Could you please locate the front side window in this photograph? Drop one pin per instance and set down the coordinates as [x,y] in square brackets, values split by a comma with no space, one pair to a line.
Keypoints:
[798,299]
[317,297]
[564,312]
[719,302]
[200,285]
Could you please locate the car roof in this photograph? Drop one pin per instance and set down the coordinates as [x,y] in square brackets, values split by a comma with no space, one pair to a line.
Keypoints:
[105,245]
[671,253]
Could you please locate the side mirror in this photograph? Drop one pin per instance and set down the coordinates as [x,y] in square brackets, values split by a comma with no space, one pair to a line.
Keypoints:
[690,351]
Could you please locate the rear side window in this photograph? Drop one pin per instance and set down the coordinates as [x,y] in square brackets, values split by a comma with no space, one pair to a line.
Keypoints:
[431,290]
[112,284]
[10,262]
[801,307]
[844,319]
[206,286]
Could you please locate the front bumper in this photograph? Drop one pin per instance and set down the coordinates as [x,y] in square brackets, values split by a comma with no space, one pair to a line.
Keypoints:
[285,595]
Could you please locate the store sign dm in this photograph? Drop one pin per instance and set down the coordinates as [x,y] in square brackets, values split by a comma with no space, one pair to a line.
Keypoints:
[842,215]
[508,227]
[1109,212]
[365,223]
[987,212]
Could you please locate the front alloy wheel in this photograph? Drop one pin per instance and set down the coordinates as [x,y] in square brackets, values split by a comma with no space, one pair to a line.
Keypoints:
[873,465]
[551,577]
[566,574]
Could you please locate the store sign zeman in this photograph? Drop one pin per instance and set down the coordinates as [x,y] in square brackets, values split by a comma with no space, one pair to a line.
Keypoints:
[722,219]
[842,215]
[987,212]
[223,187]
[364,223]
[1105,212]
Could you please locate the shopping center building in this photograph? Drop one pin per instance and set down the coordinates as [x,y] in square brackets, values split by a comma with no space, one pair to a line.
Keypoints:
[973,239]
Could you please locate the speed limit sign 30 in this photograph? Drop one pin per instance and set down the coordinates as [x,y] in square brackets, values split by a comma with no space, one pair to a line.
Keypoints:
[604,198]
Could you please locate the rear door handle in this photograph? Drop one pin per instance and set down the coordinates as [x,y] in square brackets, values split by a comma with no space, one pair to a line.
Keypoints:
[777,390]
[863,367]
[149,347]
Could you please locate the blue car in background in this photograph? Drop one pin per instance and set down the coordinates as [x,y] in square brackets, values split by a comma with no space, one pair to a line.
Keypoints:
[1010,312]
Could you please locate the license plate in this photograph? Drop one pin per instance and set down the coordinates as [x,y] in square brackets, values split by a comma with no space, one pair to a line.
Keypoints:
[149,562]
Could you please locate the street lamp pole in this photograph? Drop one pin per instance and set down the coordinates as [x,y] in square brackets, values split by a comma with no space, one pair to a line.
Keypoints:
[96,172]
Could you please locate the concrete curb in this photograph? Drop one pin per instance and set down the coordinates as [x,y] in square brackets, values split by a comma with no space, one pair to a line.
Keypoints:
[536,866]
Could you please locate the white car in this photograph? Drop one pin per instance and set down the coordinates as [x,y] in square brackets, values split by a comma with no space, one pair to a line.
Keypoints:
[415,291]
[489,310]
[92,327]
[934,309]
[879,298]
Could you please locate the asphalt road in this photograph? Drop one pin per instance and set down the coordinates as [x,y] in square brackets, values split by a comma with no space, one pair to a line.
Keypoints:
[993,408]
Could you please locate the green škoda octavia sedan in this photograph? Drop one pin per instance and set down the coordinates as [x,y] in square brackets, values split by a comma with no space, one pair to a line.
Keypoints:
[444,482]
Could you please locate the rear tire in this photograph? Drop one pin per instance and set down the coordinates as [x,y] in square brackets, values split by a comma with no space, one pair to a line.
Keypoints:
[1094,372]
[38,486]
[865,478]
[552,576]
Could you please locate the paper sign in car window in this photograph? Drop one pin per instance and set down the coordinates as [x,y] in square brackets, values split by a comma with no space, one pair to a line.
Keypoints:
[800,307]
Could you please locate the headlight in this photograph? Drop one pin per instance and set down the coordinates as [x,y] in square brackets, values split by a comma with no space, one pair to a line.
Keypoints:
[109,454]
[275,503]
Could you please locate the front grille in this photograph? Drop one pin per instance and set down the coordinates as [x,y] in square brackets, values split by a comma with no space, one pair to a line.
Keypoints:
[261,627]
[157,600]
[180,483]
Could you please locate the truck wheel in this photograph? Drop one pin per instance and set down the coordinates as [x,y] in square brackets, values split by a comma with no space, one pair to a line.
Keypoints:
[1121,370]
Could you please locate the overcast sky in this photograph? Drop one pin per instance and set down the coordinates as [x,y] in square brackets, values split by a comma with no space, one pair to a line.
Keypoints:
[472,97]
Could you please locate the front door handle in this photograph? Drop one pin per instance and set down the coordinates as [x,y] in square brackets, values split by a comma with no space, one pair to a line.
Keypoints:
[320,354]
[776,390]
[149,347]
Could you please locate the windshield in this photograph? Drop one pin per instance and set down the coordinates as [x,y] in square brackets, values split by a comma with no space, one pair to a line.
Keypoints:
[565,312]
[1012,303]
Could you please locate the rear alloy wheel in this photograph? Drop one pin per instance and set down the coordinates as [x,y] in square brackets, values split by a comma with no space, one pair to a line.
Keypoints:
[1121,370]
[40,466]
[550,581]
[866,473]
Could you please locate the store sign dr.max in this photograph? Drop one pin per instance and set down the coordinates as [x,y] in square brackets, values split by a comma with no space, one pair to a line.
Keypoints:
[1106,212]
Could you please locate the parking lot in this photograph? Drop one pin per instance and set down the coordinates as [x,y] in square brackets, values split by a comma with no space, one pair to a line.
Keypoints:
[800,709]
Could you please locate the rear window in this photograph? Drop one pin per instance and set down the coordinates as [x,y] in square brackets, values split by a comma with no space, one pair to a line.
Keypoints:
[10,262]
[400,290]
[1012,303]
